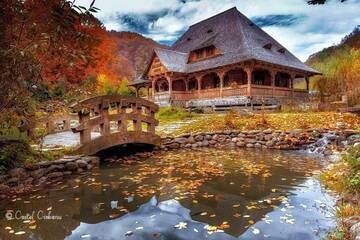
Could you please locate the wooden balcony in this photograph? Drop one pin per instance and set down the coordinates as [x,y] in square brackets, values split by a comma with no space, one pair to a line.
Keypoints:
[242,90]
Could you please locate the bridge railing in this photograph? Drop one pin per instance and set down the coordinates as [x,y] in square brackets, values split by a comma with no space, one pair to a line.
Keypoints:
[100,112]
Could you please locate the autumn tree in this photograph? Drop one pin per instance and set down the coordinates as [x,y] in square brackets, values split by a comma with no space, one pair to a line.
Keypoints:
[41,41]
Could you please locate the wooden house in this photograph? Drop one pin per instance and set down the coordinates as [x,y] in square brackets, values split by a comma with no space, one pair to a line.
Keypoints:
[224,60]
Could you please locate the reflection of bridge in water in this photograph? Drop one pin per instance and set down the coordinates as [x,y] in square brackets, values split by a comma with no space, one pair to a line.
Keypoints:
[103,111]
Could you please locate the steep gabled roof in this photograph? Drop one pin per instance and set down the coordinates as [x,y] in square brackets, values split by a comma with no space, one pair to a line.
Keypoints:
[237,38]
[172,60]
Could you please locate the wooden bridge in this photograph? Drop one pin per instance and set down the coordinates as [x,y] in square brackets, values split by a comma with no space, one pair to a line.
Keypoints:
[120,120]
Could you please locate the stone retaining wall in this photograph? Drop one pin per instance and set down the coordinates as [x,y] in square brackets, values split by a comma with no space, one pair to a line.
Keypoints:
[273,139]
[23,180]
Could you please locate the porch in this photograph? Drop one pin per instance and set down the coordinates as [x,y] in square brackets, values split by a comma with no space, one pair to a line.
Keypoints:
[230,82]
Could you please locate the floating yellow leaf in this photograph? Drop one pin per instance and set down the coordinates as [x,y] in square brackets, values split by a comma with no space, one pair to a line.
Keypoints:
[32,227]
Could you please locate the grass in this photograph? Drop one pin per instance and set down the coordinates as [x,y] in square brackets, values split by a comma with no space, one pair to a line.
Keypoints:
[280,121]
[344,178]
[50,155]
[172,114]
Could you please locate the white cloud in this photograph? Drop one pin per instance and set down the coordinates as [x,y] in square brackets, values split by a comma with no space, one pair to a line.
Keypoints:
[321,25]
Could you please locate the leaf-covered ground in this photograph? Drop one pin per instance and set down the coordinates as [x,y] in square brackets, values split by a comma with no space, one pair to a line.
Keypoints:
[280,121]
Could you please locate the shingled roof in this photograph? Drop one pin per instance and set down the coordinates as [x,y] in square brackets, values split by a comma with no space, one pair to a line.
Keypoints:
[237,38]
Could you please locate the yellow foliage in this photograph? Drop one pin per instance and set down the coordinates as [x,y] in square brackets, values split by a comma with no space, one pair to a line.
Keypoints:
[280,121]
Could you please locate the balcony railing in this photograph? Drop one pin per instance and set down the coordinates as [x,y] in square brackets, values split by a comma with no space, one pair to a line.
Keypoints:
[242,90]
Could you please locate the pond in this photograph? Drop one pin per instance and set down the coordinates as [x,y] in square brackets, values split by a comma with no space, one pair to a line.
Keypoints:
[250,194]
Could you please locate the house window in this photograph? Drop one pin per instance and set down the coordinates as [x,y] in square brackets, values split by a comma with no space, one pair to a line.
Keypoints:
[210,51]
[202,53]
[199,54]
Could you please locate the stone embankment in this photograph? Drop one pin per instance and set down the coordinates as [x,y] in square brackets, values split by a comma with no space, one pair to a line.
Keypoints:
[273,139]
[24,180]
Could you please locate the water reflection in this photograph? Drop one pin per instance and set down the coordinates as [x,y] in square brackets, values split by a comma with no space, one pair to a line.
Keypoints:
[242,191]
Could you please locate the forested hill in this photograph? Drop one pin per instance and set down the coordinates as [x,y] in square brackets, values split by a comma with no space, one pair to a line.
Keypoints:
[350,41]
[136,48]
[340,66]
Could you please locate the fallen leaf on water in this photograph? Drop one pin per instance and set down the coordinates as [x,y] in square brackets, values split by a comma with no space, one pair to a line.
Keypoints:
[224,225]
[32,227]
[129,233]
[251,222]
[181,225]
[114,215]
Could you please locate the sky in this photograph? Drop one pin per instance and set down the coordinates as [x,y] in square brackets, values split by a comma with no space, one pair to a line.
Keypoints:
[301,28]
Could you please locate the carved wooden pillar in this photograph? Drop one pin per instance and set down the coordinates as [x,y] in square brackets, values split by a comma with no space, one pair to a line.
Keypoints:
[249,71]
[85,135]
[148,92]
[292,78]
[273,76]
[221,76]
[198,79]
[307,83]
[170,85]
[186,85]
[153,88]
[50,125]
[150,126]
[66,124]
[105,126]
[136,109]
[122,123]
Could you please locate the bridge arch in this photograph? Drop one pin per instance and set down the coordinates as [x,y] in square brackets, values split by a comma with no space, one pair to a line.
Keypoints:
[103,111]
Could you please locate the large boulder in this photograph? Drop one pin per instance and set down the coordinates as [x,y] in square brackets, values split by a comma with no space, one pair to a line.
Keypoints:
[38,173]
[18,173]
[81,163]
[55,175]
[71,166]
[181,140]
[355,231]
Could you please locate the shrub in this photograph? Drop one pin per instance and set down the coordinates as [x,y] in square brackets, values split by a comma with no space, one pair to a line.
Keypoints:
[59,90]
[230,118]
[352,181]
[41,92]
[124,89]
[13,153]
[344,176]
